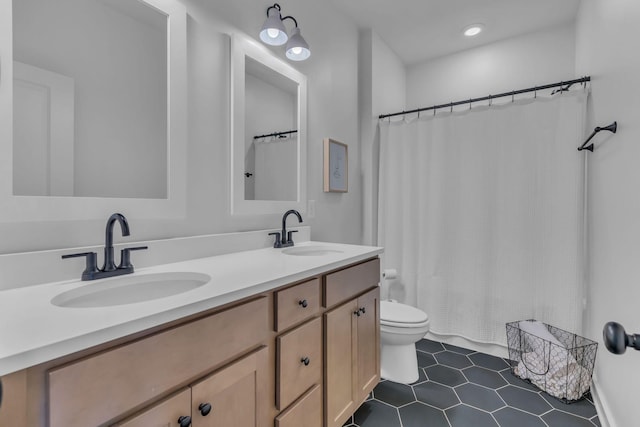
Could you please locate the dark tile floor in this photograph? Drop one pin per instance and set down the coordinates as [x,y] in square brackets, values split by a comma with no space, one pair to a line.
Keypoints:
[463,388]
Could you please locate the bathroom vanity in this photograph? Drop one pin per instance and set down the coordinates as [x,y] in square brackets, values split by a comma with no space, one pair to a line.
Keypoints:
[273,339]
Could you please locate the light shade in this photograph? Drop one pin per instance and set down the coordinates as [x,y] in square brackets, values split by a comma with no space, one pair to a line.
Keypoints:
[273,31]
[473,30]
[297,48]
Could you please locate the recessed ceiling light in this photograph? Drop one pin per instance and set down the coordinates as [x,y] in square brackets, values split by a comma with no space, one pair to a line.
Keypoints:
[473,30]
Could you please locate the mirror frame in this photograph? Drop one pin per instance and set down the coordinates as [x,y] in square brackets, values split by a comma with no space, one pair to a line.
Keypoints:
[242,47]
[54,208]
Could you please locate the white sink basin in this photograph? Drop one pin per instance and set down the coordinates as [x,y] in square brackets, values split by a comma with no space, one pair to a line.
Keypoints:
[130,289]
[310,250]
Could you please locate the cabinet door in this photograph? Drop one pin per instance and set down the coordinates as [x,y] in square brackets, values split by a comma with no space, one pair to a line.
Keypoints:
[165,413]
[340,359]
[233,396]
[368,338]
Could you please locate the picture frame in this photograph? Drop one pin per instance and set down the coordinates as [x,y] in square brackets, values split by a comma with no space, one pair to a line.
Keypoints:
[336,166]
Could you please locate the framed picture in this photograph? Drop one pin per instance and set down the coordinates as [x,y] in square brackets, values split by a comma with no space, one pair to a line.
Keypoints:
[336,166]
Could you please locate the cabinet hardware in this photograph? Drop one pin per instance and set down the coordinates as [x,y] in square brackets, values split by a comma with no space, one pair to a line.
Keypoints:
[362,309]
[357,312]
[204,408]
[184,421]
[306,361]
[303,303]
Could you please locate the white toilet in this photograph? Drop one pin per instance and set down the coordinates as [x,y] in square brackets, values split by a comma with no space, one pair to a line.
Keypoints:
[401,326]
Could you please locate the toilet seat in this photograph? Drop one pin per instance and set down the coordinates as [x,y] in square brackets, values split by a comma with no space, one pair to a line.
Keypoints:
[401,315]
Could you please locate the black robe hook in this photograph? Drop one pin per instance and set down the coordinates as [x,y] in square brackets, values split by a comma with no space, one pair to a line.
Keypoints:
[613,127]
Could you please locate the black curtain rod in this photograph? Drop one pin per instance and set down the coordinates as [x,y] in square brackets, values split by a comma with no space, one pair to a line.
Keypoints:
[289,132]
[492,97]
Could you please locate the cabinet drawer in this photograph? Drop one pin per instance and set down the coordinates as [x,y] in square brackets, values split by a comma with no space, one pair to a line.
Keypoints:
[296,304]
[299,361]
[307,411]
[164,413]
[93,391]
[347,283]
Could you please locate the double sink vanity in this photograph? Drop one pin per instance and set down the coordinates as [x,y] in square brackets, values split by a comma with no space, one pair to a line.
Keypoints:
[263,337]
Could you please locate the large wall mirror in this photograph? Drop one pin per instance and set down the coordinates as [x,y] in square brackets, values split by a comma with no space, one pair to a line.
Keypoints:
[92,104]
[269,132]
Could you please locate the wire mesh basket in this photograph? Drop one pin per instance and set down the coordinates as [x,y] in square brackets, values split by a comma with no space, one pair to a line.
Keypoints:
[558,362]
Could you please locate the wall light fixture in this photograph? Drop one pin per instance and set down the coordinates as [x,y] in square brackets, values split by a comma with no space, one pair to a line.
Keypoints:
[274,33]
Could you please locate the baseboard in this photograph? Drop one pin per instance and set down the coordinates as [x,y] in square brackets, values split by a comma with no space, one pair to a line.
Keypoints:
[602,406]
[493,349]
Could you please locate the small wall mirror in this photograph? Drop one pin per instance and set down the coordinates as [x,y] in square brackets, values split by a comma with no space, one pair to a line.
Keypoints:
[269,132]
[93,100]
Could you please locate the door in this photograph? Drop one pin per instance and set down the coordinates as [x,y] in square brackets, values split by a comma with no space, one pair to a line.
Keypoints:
[165,413]
[340,359]
[234,395]
[368,338]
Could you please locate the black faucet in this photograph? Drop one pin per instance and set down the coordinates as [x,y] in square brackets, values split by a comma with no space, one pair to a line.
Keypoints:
[109,263]
[109,268]
[283,239]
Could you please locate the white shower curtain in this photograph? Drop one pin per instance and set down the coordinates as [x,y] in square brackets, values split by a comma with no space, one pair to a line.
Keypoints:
[482,214]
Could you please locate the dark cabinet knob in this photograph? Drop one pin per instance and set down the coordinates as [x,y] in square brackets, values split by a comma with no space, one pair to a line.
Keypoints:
[303,303]
[306,361]
[204,408]
[184,421]
[357,312]
[362,309]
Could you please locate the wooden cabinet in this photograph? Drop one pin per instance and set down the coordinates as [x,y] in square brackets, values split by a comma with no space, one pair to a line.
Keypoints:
[165,413]
[306,411]
[368,344]
[305,354]
[99,388]
[233,396]
[299,355]
[299,362]
[352,348]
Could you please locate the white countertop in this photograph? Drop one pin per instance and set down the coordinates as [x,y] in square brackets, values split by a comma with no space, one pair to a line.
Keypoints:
[33,331]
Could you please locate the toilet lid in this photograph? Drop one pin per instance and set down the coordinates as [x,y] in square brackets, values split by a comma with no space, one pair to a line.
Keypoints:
[401,313]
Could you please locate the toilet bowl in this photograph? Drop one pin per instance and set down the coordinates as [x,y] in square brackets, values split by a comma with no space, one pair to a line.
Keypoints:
[401,326]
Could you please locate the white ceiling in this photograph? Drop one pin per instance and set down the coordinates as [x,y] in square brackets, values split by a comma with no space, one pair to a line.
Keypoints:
[419,30]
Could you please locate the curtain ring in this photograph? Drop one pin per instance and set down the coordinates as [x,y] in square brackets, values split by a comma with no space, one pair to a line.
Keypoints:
[490,100]
[418,113]
[469,103]
[512,95]
[535,92]
[561,89]
[451,105]
[434,110]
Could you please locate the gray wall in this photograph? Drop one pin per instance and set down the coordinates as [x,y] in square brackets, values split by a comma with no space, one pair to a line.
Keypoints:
[605,44]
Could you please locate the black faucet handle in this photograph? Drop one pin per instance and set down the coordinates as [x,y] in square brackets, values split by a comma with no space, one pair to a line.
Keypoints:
[125,256]
[91,266]
[277,243]
[289,233]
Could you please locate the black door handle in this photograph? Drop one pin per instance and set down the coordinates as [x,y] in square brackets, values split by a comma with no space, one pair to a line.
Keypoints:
[617,340]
